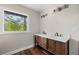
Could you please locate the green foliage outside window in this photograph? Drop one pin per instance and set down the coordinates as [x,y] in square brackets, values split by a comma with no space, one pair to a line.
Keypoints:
[14,22]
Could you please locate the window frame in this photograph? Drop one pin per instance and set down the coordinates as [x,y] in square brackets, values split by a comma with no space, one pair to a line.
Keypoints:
[27,21]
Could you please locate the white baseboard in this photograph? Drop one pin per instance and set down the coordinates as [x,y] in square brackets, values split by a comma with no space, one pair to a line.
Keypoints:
[18,50]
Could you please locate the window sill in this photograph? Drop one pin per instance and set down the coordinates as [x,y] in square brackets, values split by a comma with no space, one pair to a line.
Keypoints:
[17,32]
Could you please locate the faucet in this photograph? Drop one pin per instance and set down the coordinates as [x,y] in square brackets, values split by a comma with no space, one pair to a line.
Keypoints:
[56,34]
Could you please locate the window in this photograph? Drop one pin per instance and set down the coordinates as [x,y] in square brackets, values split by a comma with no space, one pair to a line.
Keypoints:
[14,22]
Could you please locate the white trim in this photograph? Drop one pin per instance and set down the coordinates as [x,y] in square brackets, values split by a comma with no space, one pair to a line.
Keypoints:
[17,32]
[6,9]
[18,50]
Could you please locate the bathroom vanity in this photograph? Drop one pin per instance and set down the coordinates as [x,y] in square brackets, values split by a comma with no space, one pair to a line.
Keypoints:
[54,45]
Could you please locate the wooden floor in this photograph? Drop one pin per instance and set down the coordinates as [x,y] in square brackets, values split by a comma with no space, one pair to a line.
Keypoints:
[33,51]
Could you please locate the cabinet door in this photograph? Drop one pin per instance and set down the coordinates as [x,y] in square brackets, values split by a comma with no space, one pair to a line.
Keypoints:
[41,41]
[51,46]
[37,40]
[61,48]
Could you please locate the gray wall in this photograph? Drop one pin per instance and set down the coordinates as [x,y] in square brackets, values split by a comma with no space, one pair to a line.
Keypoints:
[13,41]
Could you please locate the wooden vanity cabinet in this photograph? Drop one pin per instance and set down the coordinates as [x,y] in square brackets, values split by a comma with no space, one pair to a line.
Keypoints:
[53,46]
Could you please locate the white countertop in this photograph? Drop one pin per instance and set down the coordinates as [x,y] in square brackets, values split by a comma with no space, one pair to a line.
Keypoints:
[64,39]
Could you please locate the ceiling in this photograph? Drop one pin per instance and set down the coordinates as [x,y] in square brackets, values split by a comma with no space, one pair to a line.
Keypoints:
[40,7]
